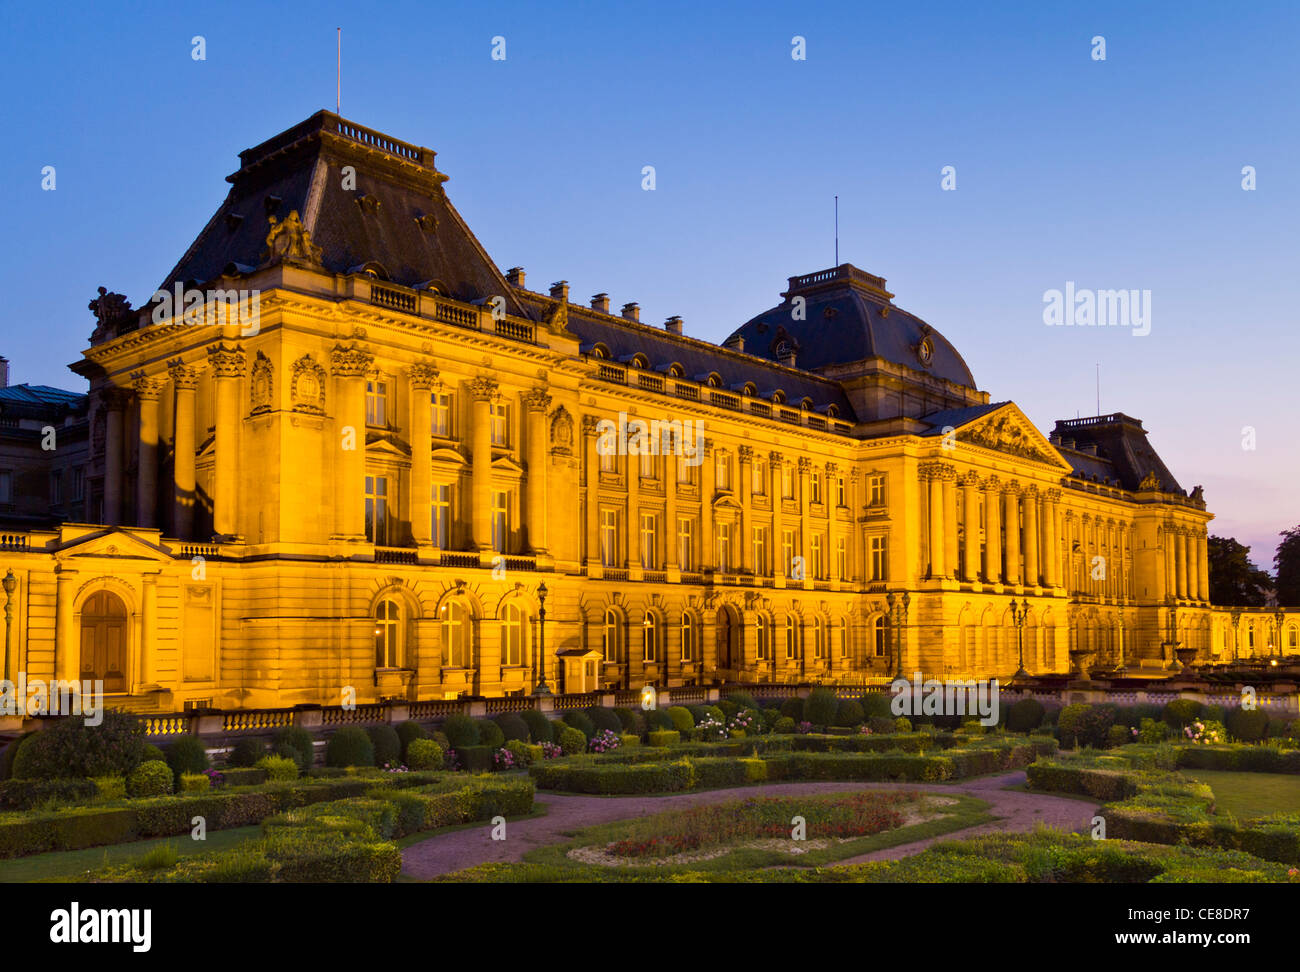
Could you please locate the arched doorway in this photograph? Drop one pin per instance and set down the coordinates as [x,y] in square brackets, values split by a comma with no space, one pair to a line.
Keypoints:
[728,639]
[103,640]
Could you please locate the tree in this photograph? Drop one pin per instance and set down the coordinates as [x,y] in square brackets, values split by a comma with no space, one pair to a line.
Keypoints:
[1287,564]
[1234,580]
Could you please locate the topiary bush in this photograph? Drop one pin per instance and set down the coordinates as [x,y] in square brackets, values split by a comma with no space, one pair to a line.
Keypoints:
[682,718]
[743,700]
[1246,725]
[151,751]
[821,706]
[153,778]
[1025,715]
[409,731]
[70,748]
[7,757]
[246,751]
[628,718]
[605,719]
[792,708]
[461,730]
[490,734]
[388,745]
[572,741]
[520,751]
[881,725]
[849,713]
[1086,725]
[657,720]
[424,754]
[539,727]
[300,740]
[1180,712]
[278,769]
[186,755]
[582,722]
[1119,735]
[512,726]
[784,725]
[350,746]
[876,704]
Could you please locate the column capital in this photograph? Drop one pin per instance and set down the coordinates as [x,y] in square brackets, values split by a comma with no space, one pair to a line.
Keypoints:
[226,361]
[147,389]
[537,400]
[184,377]
[350,361]
[968,480]
[423,376]
[1053,495]
[1031,492]
[855,474]
[775,458]
[992,483]
[590,425]
[746,453]
[805,465]
[483,389]
[1012,488]
[936,470]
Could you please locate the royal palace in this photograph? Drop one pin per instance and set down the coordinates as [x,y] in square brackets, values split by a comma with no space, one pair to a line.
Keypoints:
[340,450]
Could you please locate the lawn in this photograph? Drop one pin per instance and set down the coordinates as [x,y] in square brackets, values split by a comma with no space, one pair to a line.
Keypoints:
[1247,795]
[65,865]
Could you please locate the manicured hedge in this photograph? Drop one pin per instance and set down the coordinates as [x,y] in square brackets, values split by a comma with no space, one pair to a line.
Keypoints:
[25,794]
[539,726]
[1081,780]
[663,737]
[574,776]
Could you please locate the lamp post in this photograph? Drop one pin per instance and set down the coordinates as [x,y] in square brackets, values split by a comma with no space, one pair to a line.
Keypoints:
[1278,617]
[1236,632]
[1018,614]
[542,688]
[1121,669]
[897,620]
[10,585]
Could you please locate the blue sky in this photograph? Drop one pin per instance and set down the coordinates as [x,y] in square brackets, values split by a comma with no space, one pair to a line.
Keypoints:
[1123,173]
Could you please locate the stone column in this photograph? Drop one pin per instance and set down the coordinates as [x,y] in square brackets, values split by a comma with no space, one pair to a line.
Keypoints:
[113,401]
[421,380]
[1011,516]
[670,516]
[992,530]
[185,380]
[349,366]
[67,665]
[780,567]
[708,555]
[590,437]
[1180,547]
[1032,578]
[744,557]
[1051,543]
[227,364]
[536,404]
[1171,560]
[951,555]
[483,391]
[1193,567]
[857,562]
[970,565]
[148,630]
[805,538]
[1203,563]
[147,392]
[938,545]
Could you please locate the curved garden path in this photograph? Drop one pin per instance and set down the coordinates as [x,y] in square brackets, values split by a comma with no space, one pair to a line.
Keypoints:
[1016,811]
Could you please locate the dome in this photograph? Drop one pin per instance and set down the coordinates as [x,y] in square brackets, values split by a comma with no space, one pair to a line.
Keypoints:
[847,316]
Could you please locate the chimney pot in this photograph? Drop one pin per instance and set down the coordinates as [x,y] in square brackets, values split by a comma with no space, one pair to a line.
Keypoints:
[673,325]
[560,290]
[632,311]
[4,372]
[515,277]
[787,358]
[736,342]
[600,302]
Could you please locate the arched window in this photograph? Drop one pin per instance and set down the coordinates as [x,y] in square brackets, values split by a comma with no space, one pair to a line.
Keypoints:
[791,639]
[457,635]
[650,638]
[514,636]
[612,637]
[879,645]
[819,638]
[388,634]
[688,637]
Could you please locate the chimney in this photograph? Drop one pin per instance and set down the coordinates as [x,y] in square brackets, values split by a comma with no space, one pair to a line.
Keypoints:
[673,325]
[4,372]
[735,342]
[785,355]
[560,290]
[515,277]
[632,311]
[600,302]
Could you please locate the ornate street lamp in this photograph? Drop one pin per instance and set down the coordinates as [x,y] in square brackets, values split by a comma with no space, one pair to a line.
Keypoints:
[1278,616]
[1121,669]
[542,688]
[1236,632]
[897,621]
[1019,613]
[10,585]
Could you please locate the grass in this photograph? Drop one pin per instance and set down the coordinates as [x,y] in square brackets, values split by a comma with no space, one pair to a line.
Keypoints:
[64,865]
[1247,795]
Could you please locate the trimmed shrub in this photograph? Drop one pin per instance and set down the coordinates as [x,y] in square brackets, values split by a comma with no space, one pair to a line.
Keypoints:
[881,724]
[904,725]
[784,725]
[876,704]
[728,708]
[572,741]
[605,719]
[490,734]
[424,754]
[26,794]
[821,707]
[350,746]
[461,731]
[70,748]
[580,721]
[408,732]
[539,727]
[792,708]
[512,726]
[743,700]
[388,745]
[7,756]
[1118,736]
[246,751]
[627,718]
[195,783]
[153,778]
[1246,725]
[770,716]
[663,737]
[657,720]
[849,713]
[521,751]
[151,751]
[1086,725]
[1179,712]
[186,755]
[683,720]
[1025,715]
[476,759]
[278,769]
[110,787]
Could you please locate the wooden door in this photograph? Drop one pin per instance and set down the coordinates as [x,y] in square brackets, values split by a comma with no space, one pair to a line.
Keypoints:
[103,640]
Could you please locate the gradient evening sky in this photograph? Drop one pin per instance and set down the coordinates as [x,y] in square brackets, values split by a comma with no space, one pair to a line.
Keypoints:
[1117,174]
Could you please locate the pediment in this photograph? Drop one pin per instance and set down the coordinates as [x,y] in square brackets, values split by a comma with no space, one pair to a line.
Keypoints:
[1009,430]
[114,542]
[726,501]
[507,464]
[448,455]
[388,448]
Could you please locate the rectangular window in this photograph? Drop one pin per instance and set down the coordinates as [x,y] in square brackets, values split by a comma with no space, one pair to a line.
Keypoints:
[649,540]
[817,486]
[759,484]
[787,481]
[789,549]
[723,471]
[440,406]
[876,491]
[841,493]
[760,551]
[500,520]
[377,403]
[818,572]
[685,543]
[647,465]
[6,486]
[377,510]
[685,471]
[500,424]
[879,563]
[56,487]
[79,483]
[609,538]
[724,547]
[606,460]
[841,558]
[441,526]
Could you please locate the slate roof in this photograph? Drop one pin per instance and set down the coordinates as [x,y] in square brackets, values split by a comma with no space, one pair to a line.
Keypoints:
[848,316]
[1123,451]
[40,396]
[957,417]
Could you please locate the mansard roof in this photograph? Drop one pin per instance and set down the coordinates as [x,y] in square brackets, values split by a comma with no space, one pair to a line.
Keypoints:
[1112,447]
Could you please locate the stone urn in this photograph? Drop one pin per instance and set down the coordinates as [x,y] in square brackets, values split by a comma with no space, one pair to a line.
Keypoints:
[1081,661]
[1186,657]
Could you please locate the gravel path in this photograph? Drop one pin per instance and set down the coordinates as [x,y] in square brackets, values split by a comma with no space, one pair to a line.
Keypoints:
[1016,811]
